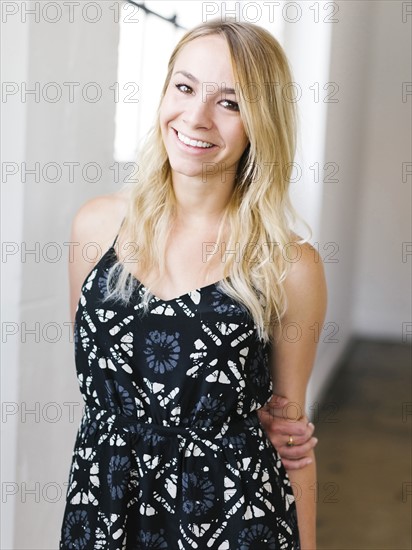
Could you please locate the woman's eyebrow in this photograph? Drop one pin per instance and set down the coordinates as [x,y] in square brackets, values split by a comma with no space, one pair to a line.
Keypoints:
[188,75]
[228,91]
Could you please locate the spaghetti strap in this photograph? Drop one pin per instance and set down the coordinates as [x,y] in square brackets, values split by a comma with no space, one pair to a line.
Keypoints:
[114,242]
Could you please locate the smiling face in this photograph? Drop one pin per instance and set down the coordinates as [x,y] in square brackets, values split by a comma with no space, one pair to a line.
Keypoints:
[199,116]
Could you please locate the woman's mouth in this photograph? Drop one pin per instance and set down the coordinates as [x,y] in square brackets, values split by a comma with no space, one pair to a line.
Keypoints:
[197,144]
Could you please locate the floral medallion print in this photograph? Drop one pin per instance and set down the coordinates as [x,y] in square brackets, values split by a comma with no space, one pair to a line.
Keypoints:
[257,537]
[117,478]
[198,494]
[259,370]
[169,453]
[102,282]
[162,351]
[207,412]
[77,532]
[220,305]
[118,398]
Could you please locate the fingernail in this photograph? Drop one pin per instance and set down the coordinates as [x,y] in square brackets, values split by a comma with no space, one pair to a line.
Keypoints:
[309,461]
[311,425]
[315,439]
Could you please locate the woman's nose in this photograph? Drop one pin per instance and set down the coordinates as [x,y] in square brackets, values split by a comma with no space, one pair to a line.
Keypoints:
[198,113]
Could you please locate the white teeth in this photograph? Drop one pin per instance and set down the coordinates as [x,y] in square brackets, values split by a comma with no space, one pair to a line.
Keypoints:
[193,142]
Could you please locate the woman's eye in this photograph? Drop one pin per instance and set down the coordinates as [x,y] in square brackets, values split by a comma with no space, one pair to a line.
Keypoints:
[231,105]
[183,88]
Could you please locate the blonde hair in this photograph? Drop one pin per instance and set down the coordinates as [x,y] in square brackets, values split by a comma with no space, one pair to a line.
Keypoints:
[259,213]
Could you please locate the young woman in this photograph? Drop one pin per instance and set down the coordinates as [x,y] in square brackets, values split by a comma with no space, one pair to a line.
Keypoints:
[199,312]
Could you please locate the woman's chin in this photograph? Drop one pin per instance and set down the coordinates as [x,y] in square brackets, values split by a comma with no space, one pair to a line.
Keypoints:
[184,169]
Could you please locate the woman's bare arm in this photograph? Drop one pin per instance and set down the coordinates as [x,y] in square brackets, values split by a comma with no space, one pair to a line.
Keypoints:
[95,223]
[293,356]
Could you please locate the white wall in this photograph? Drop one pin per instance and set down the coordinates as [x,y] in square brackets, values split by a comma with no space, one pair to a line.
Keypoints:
[350,54]
[367,213]
[44,369]
[15,42]
[382,277]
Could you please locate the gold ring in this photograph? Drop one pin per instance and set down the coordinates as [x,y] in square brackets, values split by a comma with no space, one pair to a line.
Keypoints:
[290,442]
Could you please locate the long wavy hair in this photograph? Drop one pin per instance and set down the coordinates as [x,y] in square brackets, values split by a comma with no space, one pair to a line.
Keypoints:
[259,214]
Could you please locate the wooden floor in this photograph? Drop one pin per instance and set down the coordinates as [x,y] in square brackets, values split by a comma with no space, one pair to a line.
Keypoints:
[364,454]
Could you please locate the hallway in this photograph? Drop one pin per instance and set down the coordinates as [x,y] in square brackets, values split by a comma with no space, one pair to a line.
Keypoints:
[364,451]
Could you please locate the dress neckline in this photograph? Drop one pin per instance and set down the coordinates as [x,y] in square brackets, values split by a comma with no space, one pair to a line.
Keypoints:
[198,289]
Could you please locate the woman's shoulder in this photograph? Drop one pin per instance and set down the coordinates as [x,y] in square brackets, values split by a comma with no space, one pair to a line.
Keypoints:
[99,218]
[103,204]
[305,283]
[304,250]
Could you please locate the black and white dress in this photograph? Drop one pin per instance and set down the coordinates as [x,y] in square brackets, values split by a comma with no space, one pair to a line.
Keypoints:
[170,454]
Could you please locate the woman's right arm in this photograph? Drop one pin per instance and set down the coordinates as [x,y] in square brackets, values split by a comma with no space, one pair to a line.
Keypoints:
[95,222]
[78,266]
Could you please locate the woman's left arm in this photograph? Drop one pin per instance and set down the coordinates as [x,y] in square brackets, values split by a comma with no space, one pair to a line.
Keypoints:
[293,356]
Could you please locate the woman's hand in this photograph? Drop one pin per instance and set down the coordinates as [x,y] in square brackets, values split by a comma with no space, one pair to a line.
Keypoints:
[279,429]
